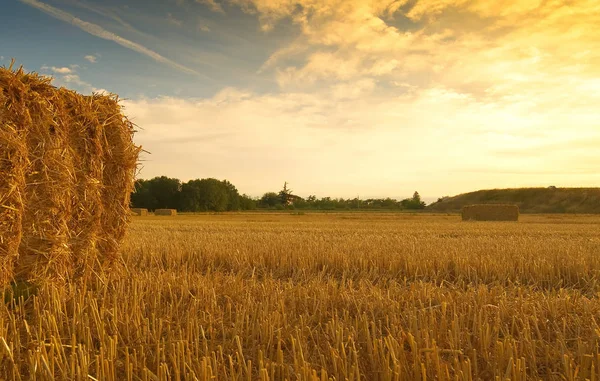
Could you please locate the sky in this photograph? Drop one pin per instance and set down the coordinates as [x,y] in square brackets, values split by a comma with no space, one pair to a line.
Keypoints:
[340,98]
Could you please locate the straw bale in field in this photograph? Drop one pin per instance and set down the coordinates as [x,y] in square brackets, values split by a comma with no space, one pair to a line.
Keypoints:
[490,212]
[67,163]
[165,212]
[139,211]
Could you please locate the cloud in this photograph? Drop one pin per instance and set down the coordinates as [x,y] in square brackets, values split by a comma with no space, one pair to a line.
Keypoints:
[172,20]
[338,38]
[353,90]
[106,12]
[213,5]
[203,28]
[68,77]
[61,70]
[488,49]
[114,14]
[100,32]
[91,58]
[75,80]
[357,137]
[514,9]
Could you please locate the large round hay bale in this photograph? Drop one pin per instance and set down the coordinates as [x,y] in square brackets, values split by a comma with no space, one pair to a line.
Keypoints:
[117,178]
[67,164]
[86,219]
[139,211]
[13,162]
[165,212]
[490,212]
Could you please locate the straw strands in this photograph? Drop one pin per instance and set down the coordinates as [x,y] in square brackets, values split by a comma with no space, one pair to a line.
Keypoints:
[490,212]
[67,163]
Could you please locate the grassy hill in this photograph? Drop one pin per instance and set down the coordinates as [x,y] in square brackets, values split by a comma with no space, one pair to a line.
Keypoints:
[529,200]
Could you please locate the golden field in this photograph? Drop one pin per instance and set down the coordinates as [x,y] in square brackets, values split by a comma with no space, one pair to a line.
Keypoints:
[348,296]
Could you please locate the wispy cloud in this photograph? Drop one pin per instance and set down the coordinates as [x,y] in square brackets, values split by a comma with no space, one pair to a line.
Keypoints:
[213,5]
[112,13]
[91,58]
[68,77]
[75,80]
[62,70]
[104,11]
[173,20]
[98,31]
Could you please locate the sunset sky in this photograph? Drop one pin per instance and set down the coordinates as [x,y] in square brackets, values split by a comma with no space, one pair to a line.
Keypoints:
[337,97]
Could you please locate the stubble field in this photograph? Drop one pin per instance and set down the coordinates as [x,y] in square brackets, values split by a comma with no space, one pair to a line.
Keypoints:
[344,296]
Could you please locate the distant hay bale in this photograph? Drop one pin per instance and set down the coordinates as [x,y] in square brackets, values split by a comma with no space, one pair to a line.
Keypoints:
[67,164]
[139,211]
[490,212]
[165,212]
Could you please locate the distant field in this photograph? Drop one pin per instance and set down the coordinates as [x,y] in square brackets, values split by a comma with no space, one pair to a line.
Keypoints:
[336,296]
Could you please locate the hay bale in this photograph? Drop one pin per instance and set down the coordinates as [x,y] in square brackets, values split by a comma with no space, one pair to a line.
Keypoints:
[119,167]
[86,222]
[13,162]
[490,212]
[67,163]
[139,211]
[165,212]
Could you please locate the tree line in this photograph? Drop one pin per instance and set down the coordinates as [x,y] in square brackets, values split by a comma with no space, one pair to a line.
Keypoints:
[204,195]
[200,195]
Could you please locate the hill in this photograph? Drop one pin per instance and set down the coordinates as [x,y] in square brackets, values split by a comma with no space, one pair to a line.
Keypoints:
[529,200]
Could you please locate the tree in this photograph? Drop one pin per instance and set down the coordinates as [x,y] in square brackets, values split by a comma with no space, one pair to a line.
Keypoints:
[285,194]
[205,195]
[247,203]
[233,196]
[166,192]
[142,196]
[270,200]
[414,202]
[157,193]
[193,196]
[416,198]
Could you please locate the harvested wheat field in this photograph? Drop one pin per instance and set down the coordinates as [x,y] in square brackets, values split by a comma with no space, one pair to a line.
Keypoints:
[323,297]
